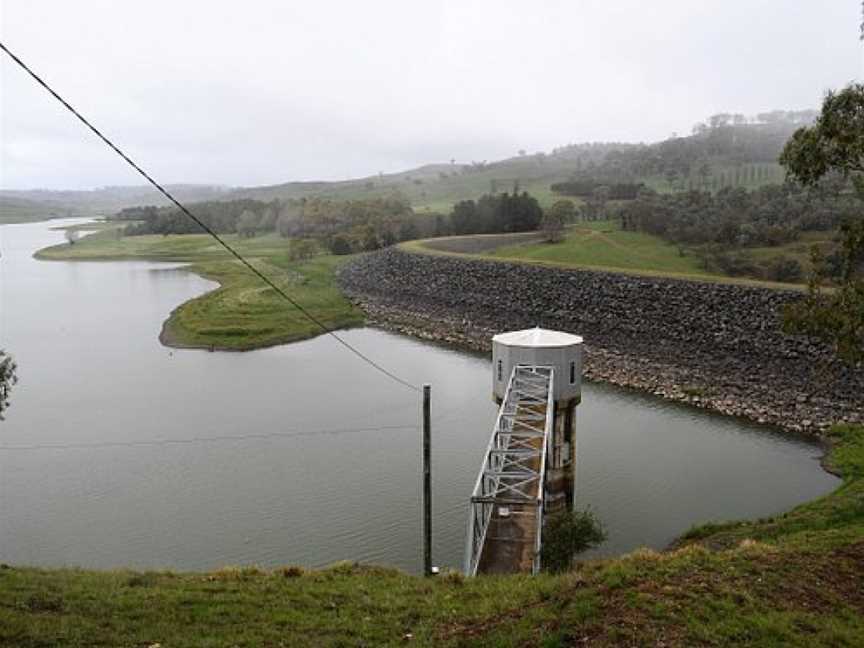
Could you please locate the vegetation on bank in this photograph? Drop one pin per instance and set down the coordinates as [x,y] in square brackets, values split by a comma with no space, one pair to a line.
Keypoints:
[791,580]
[834,146]
[342,227]
[242,313]
[721,228]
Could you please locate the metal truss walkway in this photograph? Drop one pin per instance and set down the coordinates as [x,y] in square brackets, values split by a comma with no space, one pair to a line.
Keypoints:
[506,520]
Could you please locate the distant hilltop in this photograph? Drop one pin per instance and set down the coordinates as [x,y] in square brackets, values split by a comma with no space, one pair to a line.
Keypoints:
[719,145]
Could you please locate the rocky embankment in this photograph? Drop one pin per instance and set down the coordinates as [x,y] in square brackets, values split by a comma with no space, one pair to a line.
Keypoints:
[717,346]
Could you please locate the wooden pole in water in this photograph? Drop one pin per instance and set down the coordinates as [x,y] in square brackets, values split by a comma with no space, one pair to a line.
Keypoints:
[427,483]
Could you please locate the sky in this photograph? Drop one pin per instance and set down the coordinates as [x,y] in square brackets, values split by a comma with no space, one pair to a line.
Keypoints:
[262,92]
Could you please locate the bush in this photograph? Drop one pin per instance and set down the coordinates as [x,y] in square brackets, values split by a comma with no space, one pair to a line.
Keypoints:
[302,249]
[566,534]
[734,265]
[784,269]
[339,246]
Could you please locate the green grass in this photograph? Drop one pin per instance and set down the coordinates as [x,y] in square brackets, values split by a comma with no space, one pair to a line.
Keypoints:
[602,245]
[721,171]
[242,313]
[792,580]
[437,193]
[609,247]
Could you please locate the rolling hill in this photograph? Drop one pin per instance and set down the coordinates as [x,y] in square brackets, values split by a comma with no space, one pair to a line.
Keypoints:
[728,150]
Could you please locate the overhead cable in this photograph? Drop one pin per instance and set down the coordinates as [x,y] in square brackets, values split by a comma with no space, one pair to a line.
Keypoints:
[207,228]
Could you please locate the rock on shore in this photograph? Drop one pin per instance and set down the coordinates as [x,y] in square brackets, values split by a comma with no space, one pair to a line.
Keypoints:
[717,346]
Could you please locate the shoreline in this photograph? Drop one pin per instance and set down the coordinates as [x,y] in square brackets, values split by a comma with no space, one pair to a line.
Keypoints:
[459,303]
[403,304]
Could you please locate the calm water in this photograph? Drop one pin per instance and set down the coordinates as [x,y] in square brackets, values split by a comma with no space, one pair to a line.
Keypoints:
[331,469]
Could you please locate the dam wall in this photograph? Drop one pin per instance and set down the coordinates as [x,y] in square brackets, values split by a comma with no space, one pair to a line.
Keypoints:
[714,345]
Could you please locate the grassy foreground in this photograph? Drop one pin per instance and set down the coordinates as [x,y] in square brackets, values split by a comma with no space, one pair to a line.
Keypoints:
[793,580]
[242,313]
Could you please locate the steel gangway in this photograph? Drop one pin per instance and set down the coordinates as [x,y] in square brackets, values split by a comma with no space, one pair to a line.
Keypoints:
[505,523]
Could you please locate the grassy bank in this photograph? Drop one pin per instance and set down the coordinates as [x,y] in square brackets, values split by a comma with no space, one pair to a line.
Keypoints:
[793,580]
[602,245]
[242,313]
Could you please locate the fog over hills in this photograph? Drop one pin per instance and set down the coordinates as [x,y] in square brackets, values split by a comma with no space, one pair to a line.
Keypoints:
[228,94]
[723,143]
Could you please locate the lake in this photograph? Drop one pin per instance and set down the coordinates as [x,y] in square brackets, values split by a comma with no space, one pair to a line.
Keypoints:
[118,451]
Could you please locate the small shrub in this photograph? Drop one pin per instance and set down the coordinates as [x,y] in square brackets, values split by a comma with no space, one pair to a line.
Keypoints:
[452,577]
[784,269]
[44,602]
[147,579]
[566,534]
[291,571]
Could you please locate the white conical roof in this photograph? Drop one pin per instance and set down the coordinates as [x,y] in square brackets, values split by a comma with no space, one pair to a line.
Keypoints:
[537,337]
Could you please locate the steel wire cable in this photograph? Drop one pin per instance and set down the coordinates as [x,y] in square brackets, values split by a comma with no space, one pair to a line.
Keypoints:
[192,440]
[206,228]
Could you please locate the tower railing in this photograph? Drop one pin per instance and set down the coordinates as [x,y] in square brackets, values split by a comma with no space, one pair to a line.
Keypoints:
[513,472]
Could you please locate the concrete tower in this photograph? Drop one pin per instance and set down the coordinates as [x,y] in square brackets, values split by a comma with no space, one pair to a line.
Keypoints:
[563,353]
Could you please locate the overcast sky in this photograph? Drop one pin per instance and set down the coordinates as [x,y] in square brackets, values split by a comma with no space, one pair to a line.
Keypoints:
[261,92]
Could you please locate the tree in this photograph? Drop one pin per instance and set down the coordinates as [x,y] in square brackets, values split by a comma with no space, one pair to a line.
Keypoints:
[552,224]
[8,377]
[566,209]
[595,206]
[566,534]
[288,223]
[833,144]
[301,249]
[247,224]
[72,236]
[464,217]
[671,176]
[408,231]
[268,220]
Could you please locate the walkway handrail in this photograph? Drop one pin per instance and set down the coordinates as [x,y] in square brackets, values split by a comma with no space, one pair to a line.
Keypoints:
[547,449]
[508,475]
[476,537]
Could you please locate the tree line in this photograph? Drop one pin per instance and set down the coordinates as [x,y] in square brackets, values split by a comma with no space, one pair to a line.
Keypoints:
[721,223]
[494,213]
[726,149]
[342,226]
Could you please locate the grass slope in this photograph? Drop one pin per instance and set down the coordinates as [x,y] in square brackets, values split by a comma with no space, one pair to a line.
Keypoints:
[602,245]
[242,313]
[793,580]
[436,187]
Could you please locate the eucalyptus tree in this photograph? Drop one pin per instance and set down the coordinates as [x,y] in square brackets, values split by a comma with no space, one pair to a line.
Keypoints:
[834,144]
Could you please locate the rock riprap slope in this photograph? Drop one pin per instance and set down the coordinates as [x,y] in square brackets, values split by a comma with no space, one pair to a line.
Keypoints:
[716,345]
